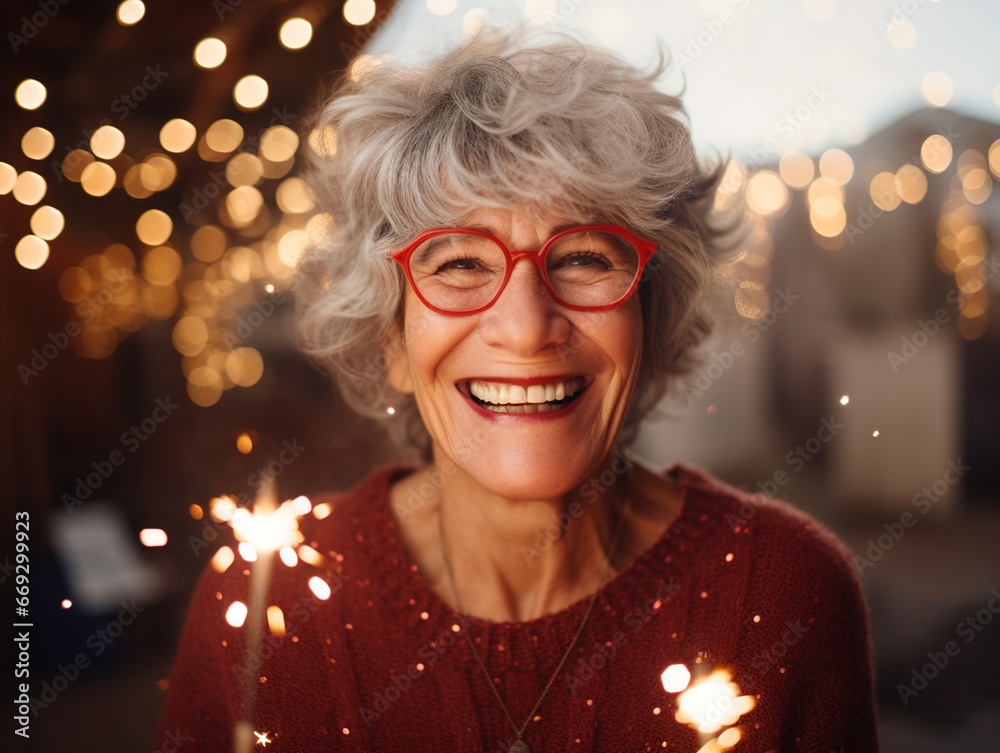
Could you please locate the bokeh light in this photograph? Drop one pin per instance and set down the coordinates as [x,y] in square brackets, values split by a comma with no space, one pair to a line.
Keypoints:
[177,135]
[31,252]
[210,53]
[47,222]
[250,92]
[937,88]
[107,142]
[29,188]
[359,12]
[295,33]
[37,143]
[131,12]
[30,94]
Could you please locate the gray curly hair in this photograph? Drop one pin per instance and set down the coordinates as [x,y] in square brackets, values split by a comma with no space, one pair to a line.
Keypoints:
[499,122]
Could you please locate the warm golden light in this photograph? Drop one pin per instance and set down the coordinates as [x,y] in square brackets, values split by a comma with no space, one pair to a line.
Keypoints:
[278,143]
[196,512]
[275,620]
[322,510]
[8,176]
[936,153]
[994,160]
[359,12]
[250,92]
[675,678]
[244,444]
[288,556]
[47,222]
[243,204]
[293,197]
[319,587]
[291,247]
[911,184]
[295,33]
[245,366]
[936,88]
[30,94]
[796,169]
[29,188]
[177,135]
[152,537]
[244,169]
[98,178]
[236,614]
[767,194]
[265,530]
[844,400]
[208,243]
[190,335]
[37,143]
[31,252]
[210,53]
[74,163]
[836,165]
[751,300]
[323,142]
[163,175]
[154,227]
[131,12]
[883,191]
[712,703]
[161,265]
[246,550]
[310,556]
[222,509]
[107,142]
[66,603]
[827,216]
[224,136]
[540,11]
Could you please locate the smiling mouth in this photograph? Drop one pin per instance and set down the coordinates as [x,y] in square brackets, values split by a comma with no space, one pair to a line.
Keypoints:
[499,397]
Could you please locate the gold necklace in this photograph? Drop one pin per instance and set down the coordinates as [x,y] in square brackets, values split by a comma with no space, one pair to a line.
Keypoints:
[519,746]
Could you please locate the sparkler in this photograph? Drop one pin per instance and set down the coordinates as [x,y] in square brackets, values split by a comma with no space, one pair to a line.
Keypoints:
[269,528]
[708,705]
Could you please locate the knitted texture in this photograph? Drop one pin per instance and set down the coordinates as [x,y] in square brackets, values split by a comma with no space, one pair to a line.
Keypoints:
[759,589]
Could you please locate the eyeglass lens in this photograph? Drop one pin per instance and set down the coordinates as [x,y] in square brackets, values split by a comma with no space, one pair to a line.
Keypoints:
[462,272]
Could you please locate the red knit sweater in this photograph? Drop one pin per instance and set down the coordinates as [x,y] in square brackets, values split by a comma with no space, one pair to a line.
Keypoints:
[761,590]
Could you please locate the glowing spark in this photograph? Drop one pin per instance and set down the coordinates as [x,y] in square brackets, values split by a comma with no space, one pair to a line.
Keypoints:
[66,603]
[247,552]
[675,678]
[222,559]
[310,555]
[319,587]
[321,510]
[301,505]
[712,703]
[262,739]
[269,529]
[845,400]
[236,614]
[153,537]
[288,556]
[276,620]
[875,433]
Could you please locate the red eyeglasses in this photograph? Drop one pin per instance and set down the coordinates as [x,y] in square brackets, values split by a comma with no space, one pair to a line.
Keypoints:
[589,268]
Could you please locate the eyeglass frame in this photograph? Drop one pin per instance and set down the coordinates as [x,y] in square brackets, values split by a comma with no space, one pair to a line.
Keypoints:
[645,248]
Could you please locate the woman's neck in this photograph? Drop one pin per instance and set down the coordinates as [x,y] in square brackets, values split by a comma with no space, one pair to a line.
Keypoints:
[517,560]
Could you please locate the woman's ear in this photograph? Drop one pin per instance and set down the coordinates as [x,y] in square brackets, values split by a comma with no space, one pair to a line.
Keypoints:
[397,363]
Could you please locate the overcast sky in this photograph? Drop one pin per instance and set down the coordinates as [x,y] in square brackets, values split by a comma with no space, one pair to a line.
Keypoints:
[808,74]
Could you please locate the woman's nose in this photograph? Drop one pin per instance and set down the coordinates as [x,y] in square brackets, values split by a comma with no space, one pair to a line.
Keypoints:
[525,319]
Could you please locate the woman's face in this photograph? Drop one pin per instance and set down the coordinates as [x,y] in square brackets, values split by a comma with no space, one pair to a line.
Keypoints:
[527,340]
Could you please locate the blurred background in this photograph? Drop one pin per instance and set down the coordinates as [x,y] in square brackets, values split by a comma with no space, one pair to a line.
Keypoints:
[151,217]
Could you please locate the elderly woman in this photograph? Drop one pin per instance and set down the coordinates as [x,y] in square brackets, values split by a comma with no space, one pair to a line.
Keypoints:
[520,265]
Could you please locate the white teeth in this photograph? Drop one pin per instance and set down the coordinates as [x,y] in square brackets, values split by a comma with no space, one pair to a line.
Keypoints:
[536,393]
[518,395]
[499,393]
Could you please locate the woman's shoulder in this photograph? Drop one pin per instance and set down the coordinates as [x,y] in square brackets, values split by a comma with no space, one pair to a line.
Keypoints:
[786,539]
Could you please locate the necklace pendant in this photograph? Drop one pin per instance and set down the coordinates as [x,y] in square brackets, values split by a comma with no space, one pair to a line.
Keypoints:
[519,746]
